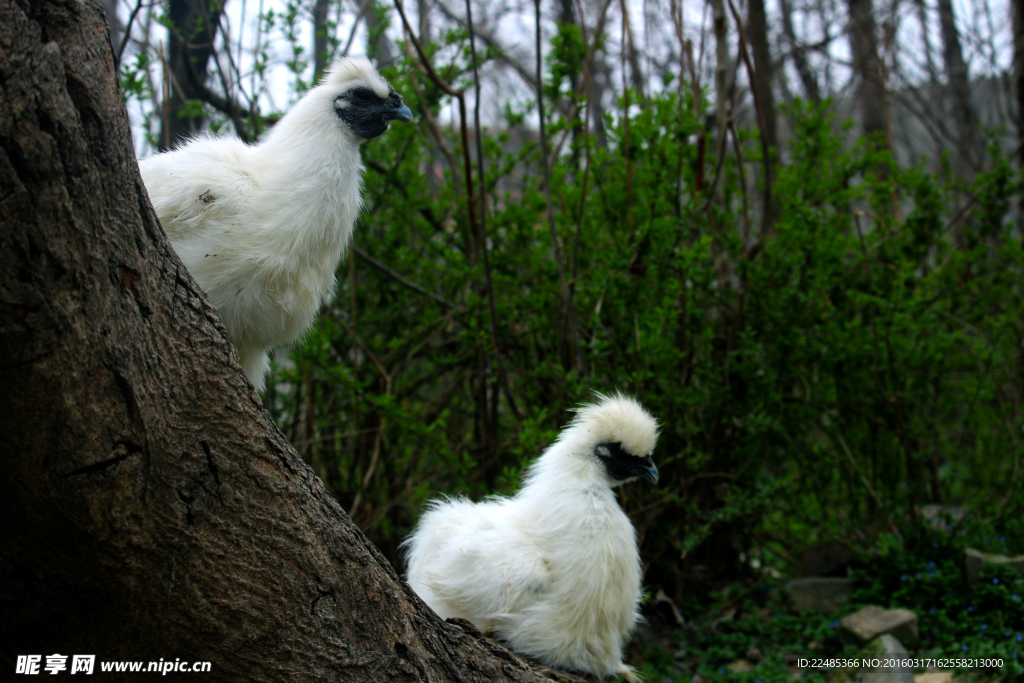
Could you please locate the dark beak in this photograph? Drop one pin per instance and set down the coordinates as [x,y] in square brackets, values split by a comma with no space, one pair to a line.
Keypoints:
[402,113]
[648,471]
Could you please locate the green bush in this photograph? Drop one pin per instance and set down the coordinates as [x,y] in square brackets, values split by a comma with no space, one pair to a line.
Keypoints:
[851,362]
[818,376]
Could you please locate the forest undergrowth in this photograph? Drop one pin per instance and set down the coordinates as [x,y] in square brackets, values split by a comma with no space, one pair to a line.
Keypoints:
[831,341]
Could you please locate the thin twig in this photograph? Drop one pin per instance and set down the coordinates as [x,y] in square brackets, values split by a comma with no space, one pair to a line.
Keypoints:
[235,71]
[762,127]
[698,109]
[860,473]
[587,68]
[743,183]
[502,371]
[127,33]
[473,233]
[720,161]
[435,127]
[627,34]
[424,61]
[355,25]
[388,377]
[223,103]
[634,63]
[165,92]
[490,40]
[577,350]
[408,283]
[335,435]
[428,68]
[958,216]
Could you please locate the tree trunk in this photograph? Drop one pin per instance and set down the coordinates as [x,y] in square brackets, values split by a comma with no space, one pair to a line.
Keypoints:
[1017,16]
[378,46]
[600,84]
[721,89]
[864,50]
[799,54]
[757,33]
[321,49]
[967,146]
[567,17]
[193,27]
[153,509]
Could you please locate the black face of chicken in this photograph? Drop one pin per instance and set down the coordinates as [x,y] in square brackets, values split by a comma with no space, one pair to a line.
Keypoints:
[367,113]
[622,465]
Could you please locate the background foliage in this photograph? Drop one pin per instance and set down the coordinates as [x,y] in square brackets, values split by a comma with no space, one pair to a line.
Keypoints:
[834,370]
[827,353]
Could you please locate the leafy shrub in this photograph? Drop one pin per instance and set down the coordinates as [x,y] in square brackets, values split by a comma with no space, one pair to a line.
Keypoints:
[849,362]
[819,375]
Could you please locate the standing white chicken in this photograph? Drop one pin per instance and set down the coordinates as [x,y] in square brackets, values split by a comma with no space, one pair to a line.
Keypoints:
[262,228]
[554,571]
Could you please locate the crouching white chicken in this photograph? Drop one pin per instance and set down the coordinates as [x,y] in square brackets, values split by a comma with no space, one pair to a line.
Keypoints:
[554,571]
[262,228]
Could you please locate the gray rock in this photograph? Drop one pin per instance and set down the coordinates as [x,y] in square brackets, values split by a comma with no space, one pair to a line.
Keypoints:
[740,666]
[821,595]
[886,647]
[864,626]
[975,560]
[934,677]
[882,647]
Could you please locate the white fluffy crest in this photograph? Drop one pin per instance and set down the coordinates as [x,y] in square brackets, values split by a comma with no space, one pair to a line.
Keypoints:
[620,419]
[346,70]
[553,571]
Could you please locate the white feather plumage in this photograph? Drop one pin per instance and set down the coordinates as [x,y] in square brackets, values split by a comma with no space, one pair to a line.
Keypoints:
[553,571]
[262,228]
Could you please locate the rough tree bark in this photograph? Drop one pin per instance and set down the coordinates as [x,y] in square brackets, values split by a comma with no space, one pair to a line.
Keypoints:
[320,38]
[1017,18]
[864,51]
[721,89]
[757,34]
[152,509]
[968,146]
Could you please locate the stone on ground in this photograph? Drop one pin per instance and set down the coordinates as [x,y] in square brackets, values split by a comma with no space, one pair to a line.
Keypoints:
[882,647]
[872,621]
[819,594]
[934,677]
[740,666]
[886,647]
[975,560]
